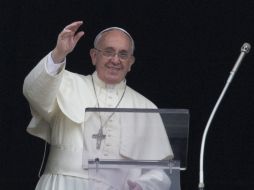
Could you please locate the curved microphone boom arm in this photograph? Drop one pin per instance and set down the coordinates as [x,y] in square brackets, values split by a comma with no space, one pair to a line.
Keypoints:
[244,50]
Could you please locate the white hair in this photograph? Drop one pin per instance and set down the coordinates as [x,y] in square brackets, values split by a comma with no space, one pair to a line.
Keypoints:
[98,37]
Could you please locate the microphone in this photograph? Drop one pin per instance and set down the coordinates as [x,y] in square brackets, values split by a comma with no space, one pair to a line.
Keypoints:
[244,50]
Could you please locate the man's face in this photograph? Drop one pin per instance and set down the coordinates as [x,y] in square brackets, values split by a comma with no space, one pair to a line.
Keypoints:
[112,57]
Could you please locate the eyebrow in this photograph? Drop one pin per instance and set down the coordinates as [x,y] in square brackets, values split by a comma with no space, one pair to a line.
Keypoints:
[111,48]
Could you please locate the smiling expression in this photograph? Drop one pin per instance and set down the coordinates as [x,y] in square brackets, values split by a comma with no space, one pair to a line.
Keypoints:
[112,69]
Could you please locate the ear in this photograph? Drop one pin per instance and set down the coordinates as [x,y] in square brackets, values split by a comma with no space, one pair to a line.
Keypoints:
[93,56]
[132,61]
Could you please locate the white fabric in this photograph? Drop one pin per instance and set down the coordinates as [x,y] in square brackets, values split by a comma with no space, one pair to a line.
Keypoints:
[61,182]
[54,68]
[58,105]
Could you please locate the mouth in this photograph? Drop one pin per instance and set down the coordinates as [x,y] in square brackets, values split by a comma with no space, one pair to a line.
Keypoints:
[114,68]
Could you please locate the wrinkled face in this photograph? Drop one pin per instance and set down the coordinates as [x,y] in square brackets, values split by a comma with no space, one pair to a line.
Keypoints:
[112,57]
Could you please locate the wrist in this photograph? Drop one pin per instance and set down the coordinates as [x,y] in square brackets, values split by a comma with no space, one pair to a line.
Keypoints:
[57,57]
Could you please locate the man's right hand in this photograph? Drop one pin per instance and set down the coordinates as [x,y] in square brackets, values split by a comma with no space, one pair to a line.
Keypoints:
[66,41]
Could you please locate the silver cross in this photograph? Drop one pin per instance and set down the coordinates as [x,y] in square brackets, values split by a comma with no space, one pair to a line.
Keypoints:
[99,137]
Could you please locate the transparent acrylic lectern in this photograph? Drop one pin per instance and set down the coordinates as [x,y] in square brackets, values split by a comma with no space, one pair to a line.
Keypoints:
[152,174]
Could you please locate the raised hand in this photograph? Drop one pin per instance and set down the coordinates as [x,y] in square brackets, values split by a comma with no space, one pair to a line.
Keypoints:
[66,41]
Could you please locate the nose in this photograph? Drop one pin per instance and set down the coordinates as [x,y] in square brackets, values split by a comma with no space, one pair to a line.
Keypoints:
[115,59]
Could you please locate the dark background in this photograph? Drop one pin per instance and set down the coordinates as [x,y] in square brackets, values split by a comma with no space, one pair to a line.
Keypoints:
[185,50]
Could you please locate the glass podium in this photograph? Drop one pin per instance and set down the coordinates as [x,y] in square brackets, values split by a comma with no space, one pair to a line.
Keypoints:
[145,128]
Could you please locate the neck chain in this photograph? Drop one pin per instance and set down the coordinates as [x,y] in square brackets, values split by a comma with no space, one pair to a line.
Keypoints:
[100,135]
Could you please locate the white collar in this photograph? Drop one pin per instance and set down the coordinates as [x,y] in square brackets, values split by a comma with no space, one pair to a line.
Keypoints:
[102,84]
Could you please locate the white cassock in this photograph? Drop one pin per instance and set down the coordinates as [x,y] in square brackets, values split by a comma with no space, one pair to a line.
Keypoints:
[58,104]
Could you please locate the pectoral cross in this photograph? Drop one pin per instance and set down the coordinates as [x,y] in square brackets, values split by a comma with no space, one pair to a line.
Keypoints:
[99,137]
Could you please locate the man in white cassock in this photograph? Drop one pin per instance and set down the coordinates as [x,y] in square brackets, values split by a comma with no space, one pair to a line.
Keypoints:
[58,99]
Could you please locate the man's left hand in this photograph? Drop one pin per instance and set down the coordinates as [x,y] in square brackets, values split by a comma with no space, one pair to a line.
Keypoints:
[133,185]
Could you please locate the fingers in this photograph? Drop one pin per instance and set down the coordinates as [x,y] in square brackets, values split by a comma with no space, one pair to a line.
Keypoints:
[73,26]
[134,185]
[131,184]
[70,31]
[78,36]
[66,33]
[67,40]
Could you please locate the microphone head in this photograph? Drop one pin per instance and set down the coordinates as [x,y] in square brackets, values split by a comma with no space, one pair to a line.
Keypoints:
[246,48]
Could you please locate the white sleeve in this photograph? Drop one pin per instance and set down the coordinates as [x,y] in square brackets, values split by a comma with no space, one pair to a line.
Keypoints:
[53,68]
[41,89]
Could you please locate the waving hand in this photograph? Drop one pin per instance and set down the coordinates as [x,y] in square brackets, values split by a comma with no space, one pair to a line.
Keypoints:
[66,41]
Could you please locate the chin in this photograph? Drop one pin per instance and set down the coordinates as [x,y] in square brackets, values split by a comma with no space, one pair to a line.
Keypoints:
[114,77]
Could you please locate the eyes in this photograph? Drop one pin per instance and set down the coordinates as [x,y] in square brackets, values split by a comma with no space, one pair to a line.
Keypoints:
[123,55]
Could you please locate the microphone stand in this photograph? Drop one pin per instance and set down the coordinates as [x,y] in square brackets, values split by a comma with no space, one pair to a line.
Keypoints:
[244,50]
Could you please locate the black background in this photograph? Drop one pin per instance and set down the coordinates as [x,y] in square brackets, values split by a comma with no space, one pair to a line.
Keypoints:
[185,50]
